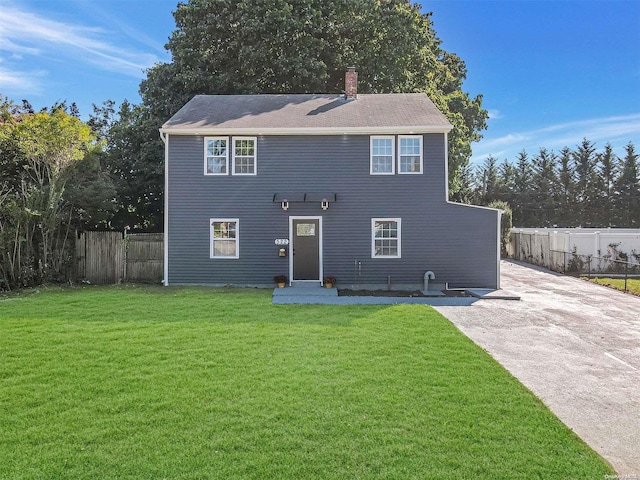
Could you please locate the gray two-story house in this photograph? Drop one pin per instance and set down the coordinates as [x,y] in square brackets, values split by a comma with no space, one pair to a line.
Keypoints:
[350,186]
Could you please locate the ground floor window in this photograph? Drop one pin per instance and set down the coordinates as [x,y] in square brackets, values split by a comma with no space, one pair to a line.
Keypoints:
[385,237]
[224,238]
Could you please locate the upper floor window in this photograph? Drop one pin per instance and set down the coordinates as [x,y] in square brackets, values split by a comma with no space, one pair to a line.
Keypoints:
[385,237]
[216,155]
[382,156]
[244,156]
[410,154]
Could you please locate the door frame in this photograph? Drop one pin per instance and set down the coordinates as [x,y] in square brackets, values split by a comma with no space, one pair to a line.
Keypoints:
[292,246]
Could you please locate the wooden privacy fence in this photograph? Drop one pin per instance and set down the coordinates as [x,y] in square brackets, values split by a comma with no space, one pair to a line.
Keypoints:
[111,257]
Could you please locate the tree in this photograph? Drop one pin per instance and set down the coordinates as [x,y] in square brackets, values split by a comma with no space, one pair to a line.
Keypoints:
[607,168]
[522,190]
[47,164]
[282,46]
[506,183]
[565,193]
[466,193]
[488,181]
[52,145]
[544,188]
[131,156]
[585,182]
[627,190]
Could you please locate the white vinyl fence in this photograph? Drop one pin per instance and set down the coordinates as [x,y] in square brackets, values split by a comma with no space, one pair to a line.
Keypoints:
[578,249]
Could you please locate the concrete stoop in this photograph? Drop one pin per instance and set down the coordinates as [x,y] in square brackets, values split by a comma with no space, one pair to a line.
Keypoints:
[314,294]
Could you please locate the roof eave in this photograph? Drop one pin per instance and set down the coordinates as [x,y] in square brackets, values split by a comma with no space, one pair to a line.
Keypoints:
[390,130]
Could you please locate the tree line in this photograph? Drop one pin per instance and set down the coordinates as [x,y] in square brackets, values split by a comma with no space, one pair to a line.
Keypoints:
[579,187]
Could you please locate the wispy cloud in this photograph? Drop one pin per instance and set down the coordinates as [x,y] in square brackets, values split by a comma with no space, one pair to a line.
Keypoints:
[28,33]
[104,16]
[9,46]
[621,128]
[494,114]
[27,82]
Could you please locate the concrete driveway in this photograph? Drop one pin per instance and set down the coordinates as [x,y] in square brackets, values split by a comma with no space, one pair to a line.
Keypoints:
[574,344]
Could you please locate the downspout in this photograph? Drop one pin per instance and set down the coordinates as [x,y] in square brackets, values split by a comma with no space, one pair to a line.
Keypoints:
[446,166]
[500,212]
[165,139]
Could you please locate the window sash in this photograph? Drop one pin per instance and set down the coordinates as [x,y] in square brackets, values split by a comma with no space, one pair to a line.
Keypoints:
[382,156]
[410,154]
[244,156]
[216,155]
[385,237]
[224,238]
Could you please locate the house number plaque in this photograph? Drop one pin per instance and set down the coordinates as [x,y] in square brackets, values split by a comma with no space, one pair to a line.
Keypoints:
[282,241]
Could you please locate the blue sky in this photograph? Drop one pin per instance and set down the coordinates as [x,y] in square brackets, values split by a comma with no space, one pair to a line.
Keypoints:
[551,71]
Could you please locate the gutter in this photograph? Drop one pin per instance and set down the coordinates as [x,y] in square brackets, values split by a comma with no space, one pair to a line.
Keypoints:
[257,131]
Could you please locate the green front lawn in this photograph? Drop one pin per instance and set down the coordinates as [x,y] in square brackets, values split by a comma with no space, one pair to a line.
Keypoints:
[633,284]
[150,383]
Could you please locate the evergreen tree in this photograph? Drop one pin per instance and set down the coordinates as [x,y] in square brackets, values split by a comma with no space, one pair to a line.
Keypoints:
[544,187]
[488,181]
[605,182]
[586,200]
[521,205]
[627,191]
[565,192]
[467,193]
[506,182]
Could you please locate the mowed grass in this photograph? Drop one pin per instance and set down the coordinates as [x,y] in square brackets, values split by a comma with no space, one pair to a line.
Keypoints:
[633,284]
[191,383]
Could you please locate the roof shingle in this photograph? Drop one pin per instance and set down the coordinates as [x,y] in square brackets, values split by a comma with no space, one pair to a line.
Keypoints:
[298,113]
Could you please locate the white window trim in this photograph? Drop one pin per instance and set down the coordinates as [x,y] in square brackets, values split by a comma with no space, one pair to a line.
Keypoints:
[206,140]
[400,137]
[373,237]
[255,156]
[211,242]
[393,156]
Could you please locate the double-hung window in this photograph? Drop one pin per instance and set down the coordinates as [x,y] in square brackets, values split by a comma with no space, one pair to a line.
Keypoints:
[385,237]
[216,155]
[382,156]
[224,238]
[244,156]
[410,154]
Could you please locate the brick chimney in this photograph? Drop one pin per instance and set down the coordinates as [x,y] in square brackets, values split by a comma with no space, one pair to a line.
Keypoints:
[351,84]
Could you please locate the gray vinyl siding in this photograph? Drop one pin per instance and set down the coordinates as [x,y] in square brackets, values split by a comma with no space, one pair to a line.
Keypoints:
[457,242]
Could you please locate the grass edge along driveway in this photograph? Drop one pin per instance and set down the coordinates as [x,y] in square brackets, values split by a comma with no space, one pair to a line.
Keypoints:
[192,383]
[633,284]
